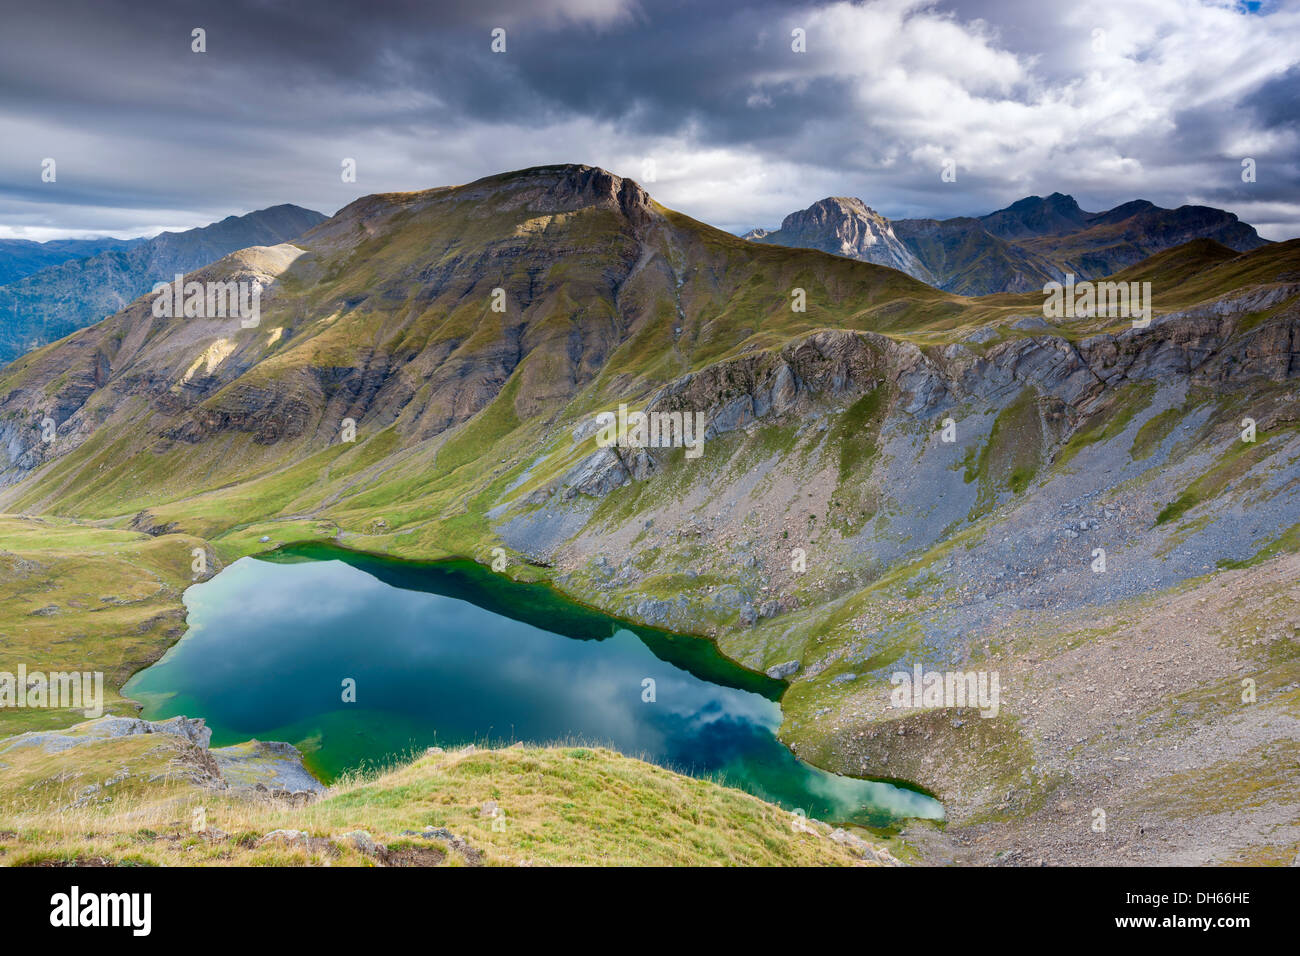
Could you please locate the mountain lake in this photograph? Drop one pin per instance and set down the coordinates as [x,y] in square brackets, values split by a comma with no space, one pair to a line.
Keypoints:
[450,653]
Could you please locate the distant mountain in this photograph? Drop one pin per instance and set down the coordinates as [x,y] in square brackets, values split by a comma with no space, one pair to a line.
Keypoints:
[846,227]
[1123,236]
[964,257]
[1033,216]
[22,257]
[49,304]
[1017,249]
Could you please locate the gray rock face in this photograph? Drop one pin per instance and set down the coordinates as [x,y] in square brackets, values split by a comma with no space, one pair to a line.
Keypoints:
[105,727]
[606,469]
[1198,344]
[596,475]
[845,226]
[1031,323]
[270,764]
[265,765]
[984,333]
[782,671]
[195,731]
[736,392]
[835,365]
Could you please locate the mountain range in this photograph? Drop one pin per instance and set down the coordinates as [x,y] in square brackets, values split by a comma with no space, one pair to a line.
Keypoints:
[85,280]
[1017,249]
[893,475]
[22,257]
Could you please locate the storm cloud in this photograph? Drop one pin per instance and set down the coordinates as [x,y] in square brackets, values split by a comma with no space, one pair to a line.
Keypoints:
[709,105]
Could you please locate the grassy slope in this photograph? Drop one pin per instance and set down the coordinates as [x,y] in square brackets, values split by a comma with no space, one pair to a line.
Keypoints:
[734,298]
[81,598]
[562,806]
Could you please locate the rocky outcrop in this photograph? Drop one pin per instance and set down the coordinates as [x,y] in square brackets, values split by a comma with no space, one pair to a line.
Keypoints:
[845,226]
[607,469]
[265,765]
[1204,345]
[736,392]
[273,767]
[782,671]
[194,731]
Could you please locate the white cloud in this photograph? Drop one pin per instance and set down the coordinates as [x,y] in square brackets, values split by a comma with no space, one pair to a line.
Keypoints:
[743,129]
[926,85]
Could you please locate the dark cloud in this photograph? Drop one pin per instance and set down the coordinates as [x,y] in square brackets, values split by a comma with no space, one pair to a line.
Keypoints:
[742,129]
[1276,103]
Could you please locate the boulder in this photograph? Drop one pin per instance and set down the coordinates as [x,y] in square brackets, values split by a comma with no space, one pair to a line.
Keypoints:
[782,671]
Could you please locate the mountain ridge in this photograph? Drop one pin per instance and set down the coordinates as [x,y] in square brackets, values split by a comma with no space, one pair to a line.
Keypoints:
[19,258]
[1033,241]
[50,303]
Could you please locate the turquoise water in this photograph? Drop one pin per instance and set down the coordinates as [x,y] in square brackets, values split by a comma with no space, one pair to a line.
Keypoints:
[449,653]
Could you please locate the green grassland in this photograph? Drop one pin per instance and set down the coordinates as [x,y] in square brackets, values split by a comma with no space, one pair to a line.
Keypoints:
[82,598]
[560,805]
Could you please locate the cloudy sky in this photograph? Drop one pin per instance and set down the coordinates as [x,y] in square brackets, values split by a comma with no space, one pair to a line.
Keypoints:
[706,103]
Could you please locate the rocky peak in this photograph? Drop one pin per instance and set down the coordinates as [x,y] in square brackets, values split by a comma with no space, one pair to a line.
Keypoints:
[565,188]
[845,226]
[561,188]
[839,212]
